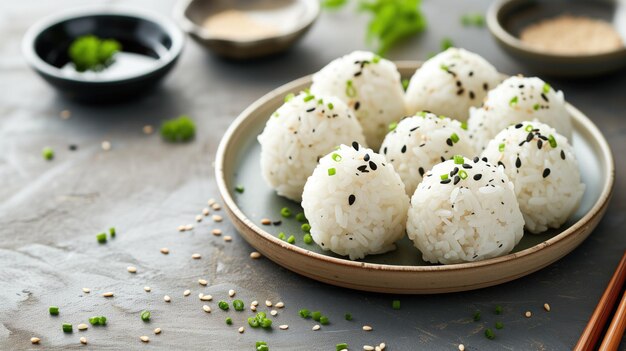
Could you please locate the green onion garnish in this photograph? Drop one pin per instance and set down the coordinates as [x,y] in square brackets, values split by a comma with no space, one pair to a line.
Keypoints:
[145,316]
[341,346]
[464,125]
[393,126]
[316,316]
[291,239]
[444,67]
[67,328]
[266,323]
[102,238]
[421,114]
[288,97]
[348,316]
[336,157]
[529,128]
[308,98]
[54,310]
[513,101]
[240,189]
[229,321]
[458,160]
[376,59]
[552,141]
[306,227]
[282,236]
[498,309]
[47,153]
[405,84]
[253,322]
[180,129]
[546,88]
[350,90]
[300,217]
[102,320]
[238,305]
[446,43]
[94,320]
[112,232]
[454,137]
[331,106]
[444,176]
[285,212]
[499,325]
[223,305]
[462,174]
[320,102]
[332,171]
[324,320]
[395,304]
[276,114]
[262,346]
[501,147]
[308,239]
[489,334]
[476,316]
[536,107]
[304,313]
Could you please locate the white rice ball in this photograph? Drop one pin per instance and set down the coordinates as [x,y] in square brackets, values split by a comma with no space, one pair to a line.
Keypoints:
[370,85]
[542,166]
[455,220]
[516,100]
[355,203]
[418,143]
[298,134]
[450,83]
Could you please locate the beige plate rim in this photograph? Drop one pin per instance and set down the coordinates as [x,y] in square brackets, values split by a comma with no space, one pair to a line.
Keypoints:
[266,242]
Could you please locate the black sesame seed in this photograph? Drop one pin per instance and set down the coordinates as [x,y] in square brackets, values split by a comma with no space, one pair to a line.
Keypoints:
[443,159]
[530,137]
[471,95]
[460,91]
[355,145]
[358,73]
[74,147]
[373,166]
[522,143]
[454,171]
[501,164]
[518,126]
[521,86]
[543,96]
[458,83]
[403,149]
[546,172]
[467,166]
[366,157]
[485,159]
[421,170]
[449,142]
[562,154]
[311,109]
[385,150]
[277,222]
[471,73]
[357,105]
[539,144]
[476,159]
[518,162]
[445,181]
[362,168]
[414,129]
[457,179]
[477,176]
[351,199]
[485,86]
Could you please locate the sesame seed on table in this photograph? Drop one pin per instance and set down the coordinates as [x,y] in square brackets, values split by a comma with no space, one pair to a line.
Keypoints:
[117,172]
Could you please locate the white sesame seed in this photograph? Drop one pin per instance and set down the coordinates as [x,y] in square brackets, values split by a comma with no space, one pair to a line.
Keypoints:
[147,288]
[205,211]
[546,307]
[206,298]
[186,292]
[108,294]
[241,330]
[279,305]
[35,340]
[273,312]
[86,290]
[202,282]
[83,340]
[266,221]
[166,298]
[189,227]
[228,238]
[199,218]
[206,308]
[216,207]
[316,327]
[144,338]
[106,145]
[196,256]
[165,250]
[367,328]
[377,348]
[82,326]
[368,348]
[284,327]
[211,202]
[255,255]
[217,218]
[181,228]
[131,269]
[528,314]
[148,129]
[382,345]
[157,330]
[253,308]
[231,292]
[65,114]
[216,232]
[268,303]
[461,347]
[255,303]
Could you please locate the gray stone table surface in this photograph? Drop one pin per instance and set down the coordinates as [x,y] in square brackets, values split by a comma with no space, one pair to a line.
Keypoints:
[51,211]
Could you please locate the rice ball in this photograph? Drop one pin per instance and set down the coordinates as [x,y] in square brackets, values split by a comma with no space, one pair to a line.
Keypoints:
[355,203]
[368,84]
[543,168]
[516,100]
[298,134]
[418,143]
[450,83]
[464,210]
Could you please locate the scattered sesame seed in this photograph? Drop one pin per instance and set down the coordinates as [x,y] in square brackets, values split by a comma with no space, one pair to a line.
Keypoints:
[86,290]
[367,328]
[253,308]
[205,211]
[316,327]
[266,221]
[546,307]
[147,288]
[368,348]
[166,298]
[189,227]
[148,129]
[206,308]
[157,330]
[231,292]
[528,314]
[284,327]
[181,228]
[108,294]
[144,338]
[186,292]
[255,303]
[255,255]
[82,326]
[268,303]
[216,207]
[279,305]
[199,218]
[382,345]
[216,232]
[202,282]
[131,269]
[196,256]
[106,145]
[35,340]
[206,298]
[83,340]
[241,330]
[217,218]
[377,348]
[65,114]
[165,250]
[273,312]
[228,238]
[461,347]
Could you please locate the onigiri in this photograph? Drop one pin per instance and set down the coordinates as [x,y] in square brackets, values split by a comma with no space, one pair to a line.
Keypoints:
[543,168]
[298,134]
[464,210]
[450,83]
[355,203]
[418,143]
[516,100]
[368,84]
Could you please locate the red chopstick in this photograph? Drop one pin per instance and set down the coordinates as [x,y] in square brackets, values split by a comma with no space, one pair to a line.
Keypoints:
[591,335]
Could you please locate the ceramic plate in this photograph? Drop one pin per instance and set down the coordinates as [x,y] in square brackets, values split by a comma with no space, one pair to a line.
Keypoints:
[403,270]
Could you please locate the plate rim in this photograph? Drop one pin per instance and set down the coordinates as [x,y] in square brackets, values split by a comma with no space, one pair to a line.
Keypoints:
[598,208]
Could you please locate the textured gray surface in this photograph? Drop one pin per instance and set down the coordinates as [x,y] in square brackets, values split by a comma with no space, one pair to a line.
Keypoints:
[51,211]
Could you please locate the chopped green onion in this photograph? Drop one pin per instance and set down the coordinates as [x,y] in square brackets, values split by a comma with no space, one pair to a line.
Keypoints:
[529,128]
[47,153]
[546,88]
[489,334]
[320,102]
[341,346]
[238,305]
[405,84]
[288,97]
[54,310]
[300,217]
[347,316]
[308,98]
[513,101]
[266,323]
[336,157]
[276,114]
[102,320]
[285,212]
[102,238]
[178,129]
[308,239]
[240,189]
[458,160]
[446,43]
[444,67]
[499,325]
[476,316]
[145,316]
[350,90]
[395,304]
[332,171]
[501,147]
[67,328]
[324,320]
[454,137]
[393,126]
[223,305]
[376,59]
[316,316]
[306,227]
[444,176]
[536,107]
[282,236]
[262,346]
[498,309]
[112,232]
[464,125]
[94,320]
[462,174]
[229,321]
[291,239]
[331,106]
[552,141]
[253,322]
[421,114]
[473,19]
[304,313]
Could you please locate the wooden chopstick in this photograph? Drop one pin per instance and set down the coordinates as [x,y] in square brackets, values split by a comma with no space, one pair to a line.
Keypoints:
[613,336]
[590,336]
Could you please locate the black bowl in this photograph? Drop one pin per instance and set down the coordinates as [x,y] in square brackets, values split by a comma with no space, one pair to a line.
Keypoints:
[151,44]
